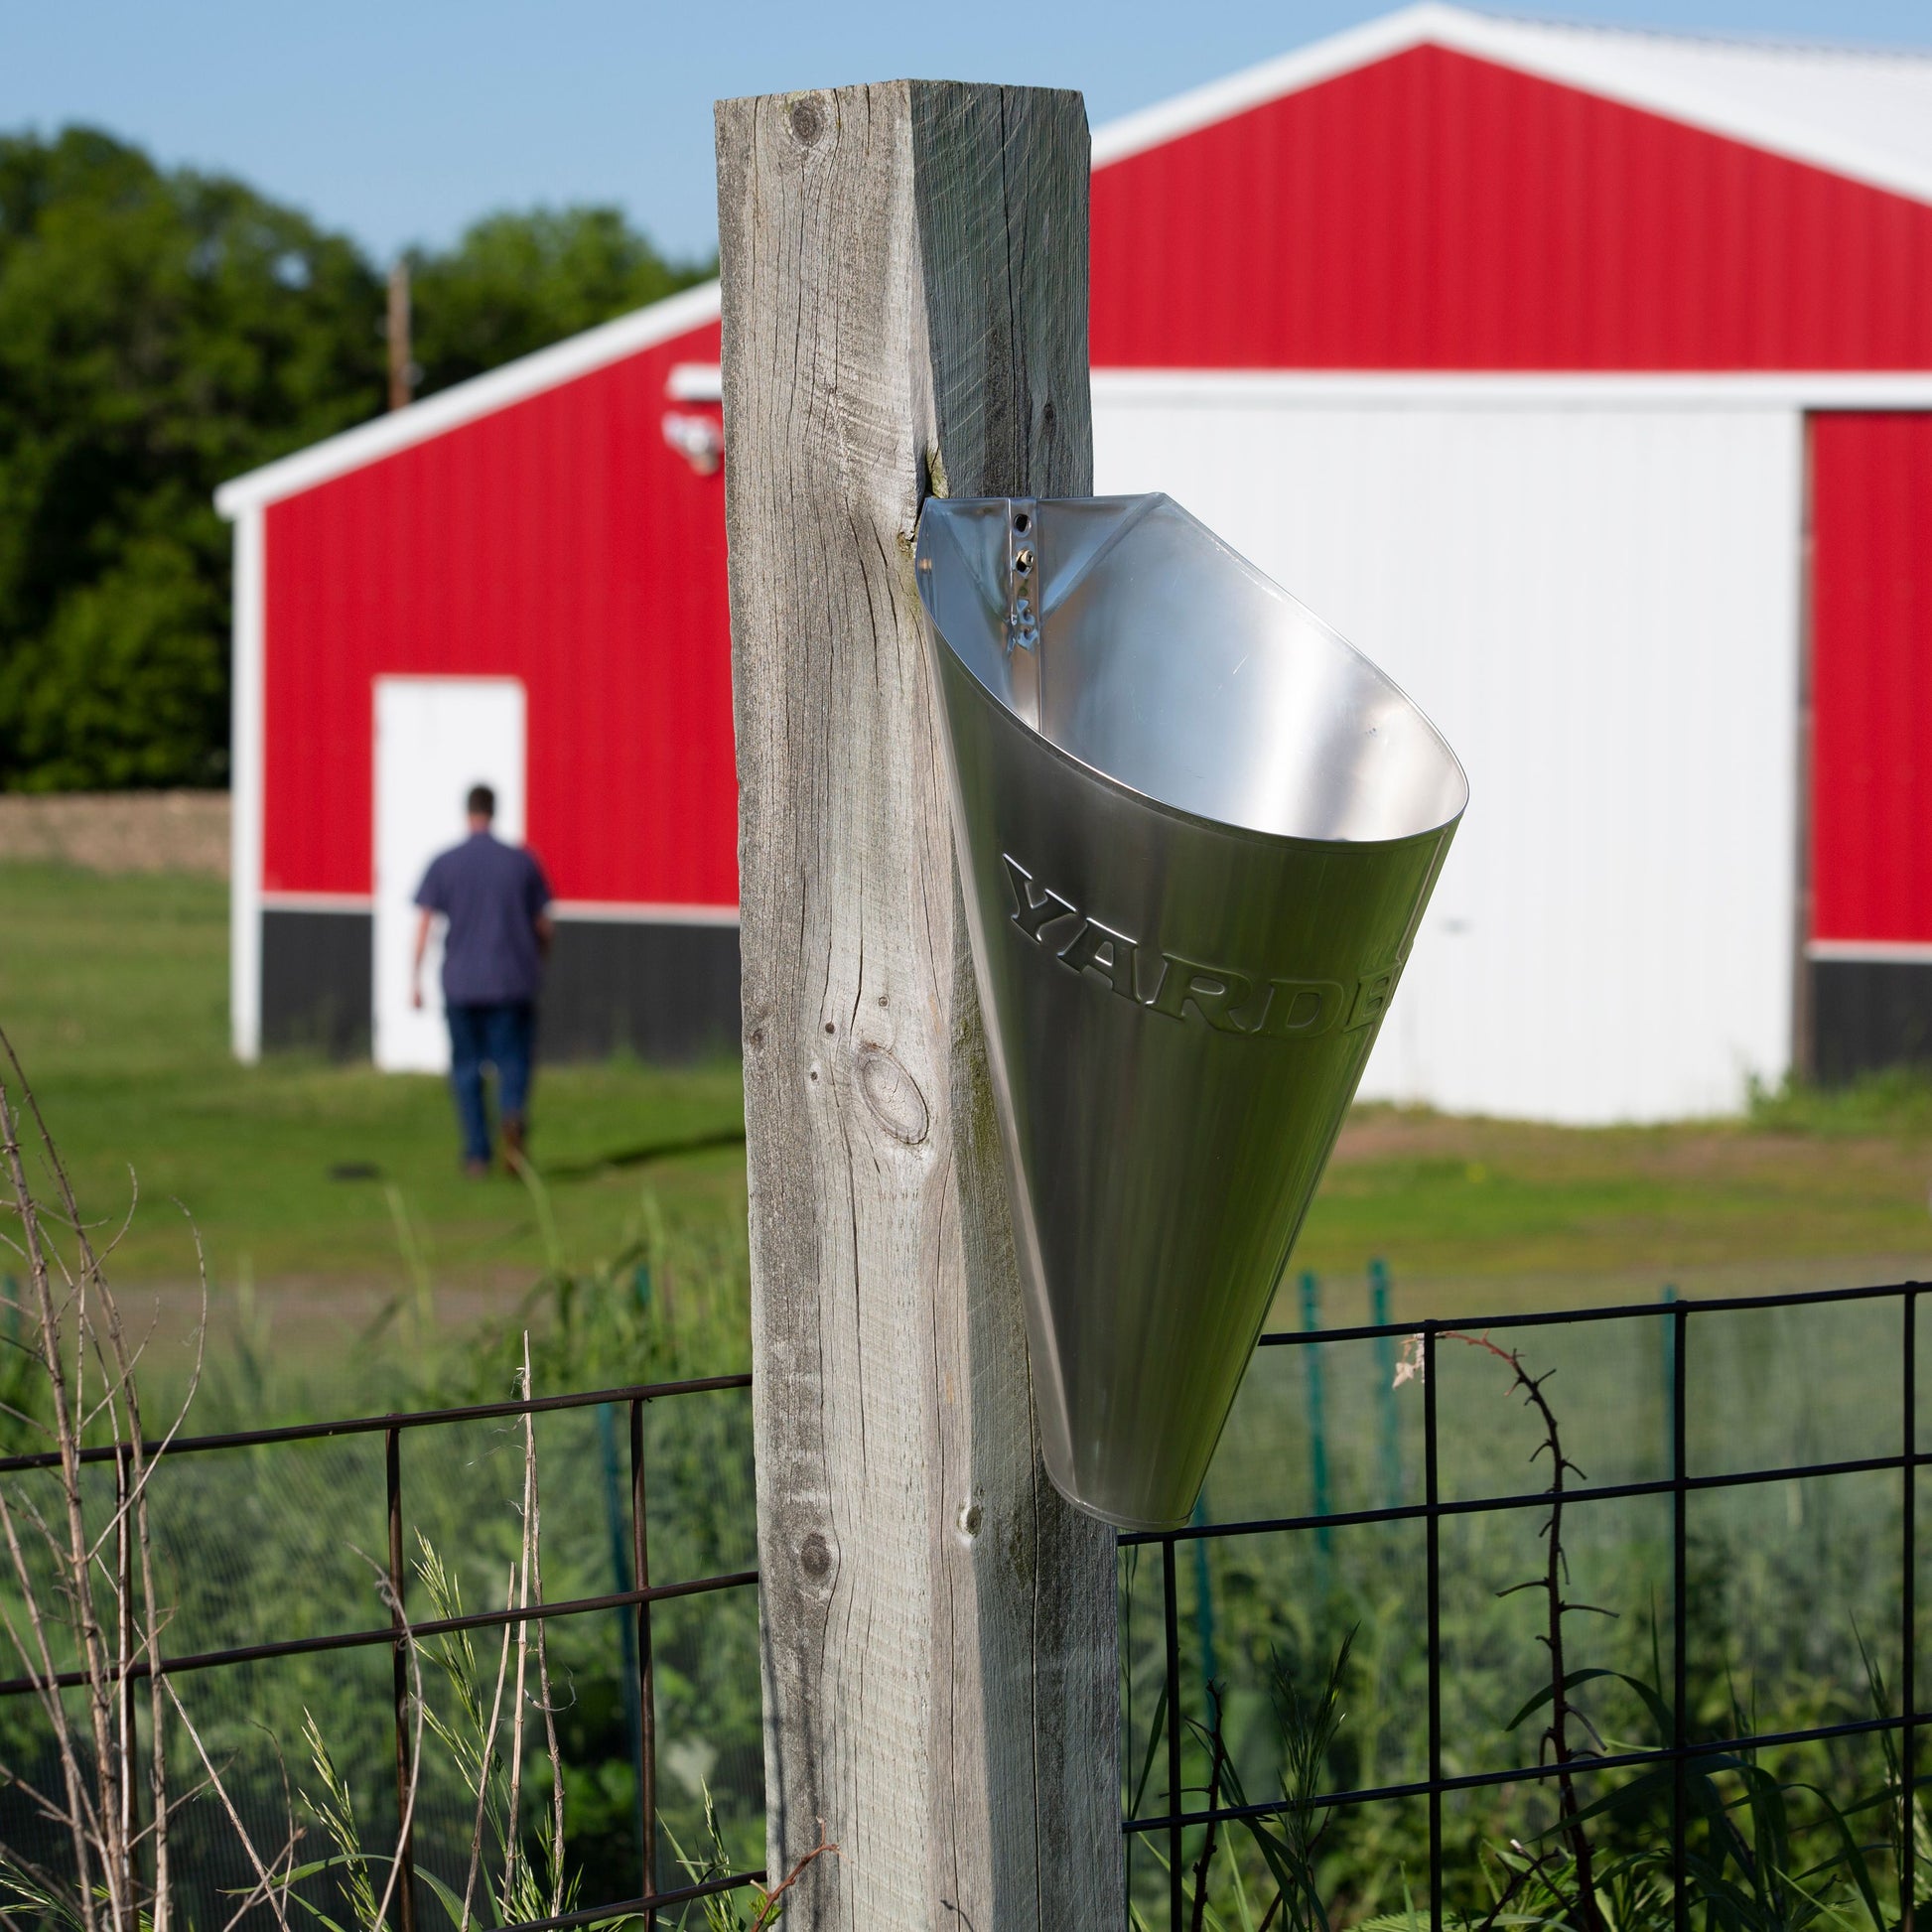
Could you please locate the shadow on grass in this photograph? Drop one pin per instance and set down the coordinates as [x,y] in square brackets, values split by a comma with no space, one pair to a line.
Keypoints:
[644,1155]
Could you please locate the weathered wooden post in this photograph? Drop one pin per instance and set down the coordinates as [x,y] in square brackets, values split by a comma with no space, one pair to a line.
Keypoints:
[905,314]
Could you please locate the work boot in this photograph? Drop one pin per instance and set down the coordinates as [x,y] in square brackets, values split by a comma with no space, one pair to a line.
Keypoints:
[513,1143]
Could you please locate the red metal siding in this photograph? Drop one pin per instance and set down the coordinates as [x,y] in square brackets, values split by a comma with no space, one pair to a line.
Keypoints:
[1872,677]
[1438,212]
[558,540]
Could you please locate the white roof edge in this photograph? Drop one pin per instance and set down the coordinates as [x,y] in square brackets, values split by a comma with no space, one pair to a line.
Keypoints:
[528,375]
[1286,74]
[1581,56]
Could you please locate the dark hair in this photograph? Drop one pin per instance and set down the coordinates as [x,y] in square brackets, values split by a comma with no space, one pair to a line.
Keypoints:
[483,802]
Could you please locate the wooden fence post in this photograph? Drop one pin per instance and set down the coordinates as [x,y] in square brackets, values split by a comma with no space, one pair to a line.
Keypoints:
[905,314]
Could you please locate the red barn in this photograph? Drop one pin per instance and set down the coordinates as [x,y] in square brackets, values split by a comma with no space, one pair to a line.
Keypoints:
[519,580]
[1582,378]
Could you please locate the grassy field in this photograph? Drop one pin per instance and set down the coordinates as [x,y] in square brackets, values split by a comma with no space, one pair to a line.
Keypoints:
[114,992]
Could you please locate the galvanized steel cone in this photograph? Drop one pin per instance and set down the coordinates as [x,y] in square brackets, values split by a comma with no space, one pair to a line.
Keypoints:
[1198,830]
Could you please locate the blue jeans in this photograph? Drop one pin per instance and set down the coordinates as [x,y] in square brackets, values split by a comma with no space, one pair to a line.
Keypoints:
[502,1035]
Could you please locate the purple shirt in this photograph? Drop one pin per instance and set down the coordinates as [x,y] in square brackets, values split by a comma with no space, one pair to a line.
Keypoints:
[491,893]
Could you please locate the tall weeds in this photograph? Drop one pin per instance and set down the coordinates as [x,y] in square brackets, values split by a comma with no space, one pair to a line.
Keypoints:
[80,1612]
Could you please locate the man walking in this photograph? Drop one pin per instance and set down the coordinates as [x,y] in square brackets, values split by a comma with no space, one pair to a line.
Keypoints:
[496,902]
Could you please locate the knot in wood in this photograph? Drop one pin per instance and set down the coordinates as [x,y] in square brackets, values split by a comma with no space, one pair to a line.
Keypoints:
[815,1557]
[893,1095]
[807,118]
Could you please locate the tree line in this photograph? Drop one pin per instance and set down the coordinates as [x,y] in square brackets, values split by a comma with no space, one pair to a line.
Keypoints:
[162,329]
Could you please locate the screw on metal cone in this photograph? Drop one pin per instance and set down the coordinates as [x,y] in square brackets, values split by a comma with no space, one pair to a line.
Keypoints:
[1197,831]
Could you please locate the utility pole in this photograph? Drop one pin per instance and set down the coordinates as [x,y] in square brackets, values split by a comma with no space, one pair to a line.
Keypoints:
[905,314]
[402,371]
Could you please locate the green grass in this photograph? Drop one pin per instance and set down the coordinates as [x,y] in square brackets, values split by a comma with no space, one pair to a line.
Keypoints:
[114,991]
[1820,1191]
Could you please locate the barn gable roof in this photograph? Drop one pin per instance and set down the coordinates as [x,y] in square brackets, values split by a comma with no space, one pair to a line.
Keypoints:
[1863,114]
[463,402]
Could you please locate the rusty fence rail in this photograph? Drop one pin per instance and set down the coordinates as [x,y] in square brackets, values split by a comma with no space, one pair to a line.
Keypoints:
[634,1398]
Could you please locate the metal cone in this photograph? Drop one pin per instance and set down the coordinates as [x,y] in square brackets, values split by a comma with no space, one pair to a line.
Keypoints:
[1197,831]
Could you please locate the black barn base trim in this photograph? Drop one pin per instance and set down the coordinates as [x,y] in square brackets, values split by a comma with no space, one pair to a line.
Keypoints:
[660,991]
[1868,1014]
[635,986]
[316,983]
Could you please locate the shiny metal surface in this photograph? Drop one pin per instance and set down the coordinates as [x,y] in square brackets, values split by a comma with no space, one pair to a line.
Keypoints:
[1198,830]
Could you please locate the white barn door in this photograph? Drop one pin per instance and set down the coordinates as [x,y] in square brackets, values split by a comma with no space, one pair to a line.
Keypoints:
[435,738]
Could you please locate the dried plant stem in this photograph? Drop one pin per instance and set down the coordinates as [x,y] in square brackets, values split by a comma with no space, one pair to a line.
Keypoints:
[515,1828]
[267,1886]
[40,1666]
[483,1760]
[534,1533]
[105,1580]
[91,1827]
[282,1868]
[138,1466]
[393,1598]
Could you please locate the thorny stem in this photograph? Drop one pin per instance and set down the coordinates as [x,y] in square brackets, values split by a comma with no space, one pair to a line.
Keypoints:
[1516,1878]
[1556,1733]
[1207,1842]
[767,1912]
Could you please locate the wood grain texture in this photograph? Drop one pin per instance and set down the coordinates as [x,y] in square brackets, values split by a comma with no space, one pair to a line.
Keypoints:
[904,311]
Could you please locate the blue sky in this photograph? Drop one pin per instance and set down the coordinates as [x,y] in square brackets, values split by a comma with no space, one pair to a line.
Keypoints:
[400,121]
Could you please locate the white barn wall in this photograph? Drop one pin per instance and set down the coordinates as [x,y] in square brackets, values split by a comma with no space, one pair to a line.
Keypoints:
[1599,606]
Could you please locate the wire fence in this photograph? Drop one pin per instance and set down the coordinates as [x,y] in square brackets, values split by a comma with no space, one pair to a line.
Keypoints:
[1684,1327]
[1406,1477]
[401,1632]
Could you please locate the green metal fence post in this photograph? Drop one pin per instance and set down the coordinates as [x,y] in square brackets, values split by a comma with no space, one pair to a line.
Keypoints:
[1388,1420]
[1318,1418]
[1667,1295]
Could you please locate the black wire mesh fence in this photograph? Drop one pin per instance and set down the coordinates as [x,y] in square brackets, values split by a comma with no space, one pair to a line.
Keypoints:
[1721,1617]
[388,1500]
[1732,1574]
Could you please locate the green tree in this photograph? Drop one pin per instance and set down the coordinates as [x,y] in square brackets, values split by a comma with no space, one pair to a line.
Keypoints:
[518,281]
[162,331]
[158,332]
